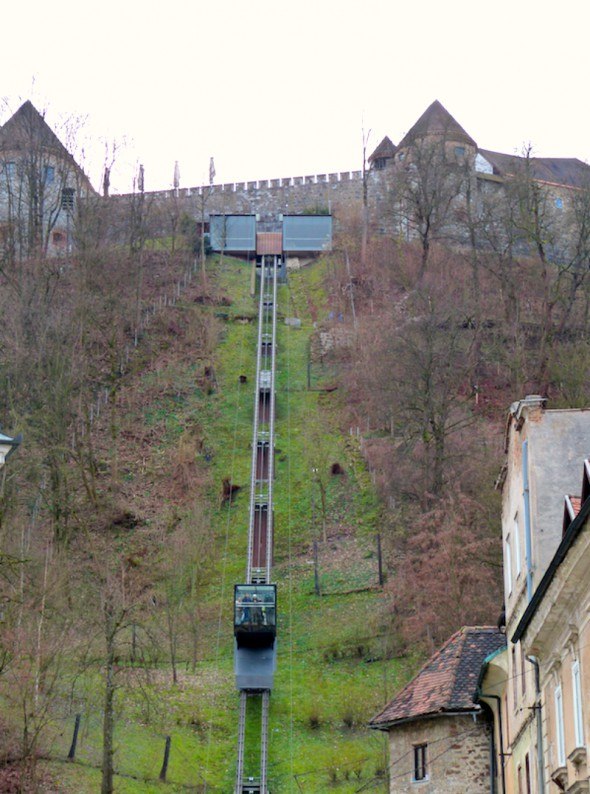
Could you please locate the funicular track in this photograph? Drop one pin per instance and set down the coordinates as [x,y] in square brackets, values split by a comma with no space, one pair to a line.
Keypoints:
[255,655]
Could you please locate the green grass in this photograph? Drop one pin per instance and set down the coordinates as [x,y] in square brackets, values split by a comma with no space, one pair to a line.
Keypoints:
[334,671]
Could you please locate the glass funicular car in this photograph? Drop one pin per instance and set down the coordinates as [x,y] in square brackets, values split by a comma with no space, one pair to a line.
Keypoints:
[255,615]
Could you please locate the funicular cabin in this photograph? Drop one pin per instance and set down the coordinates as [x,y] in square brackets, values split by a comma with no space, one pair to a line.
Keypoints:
[255,615]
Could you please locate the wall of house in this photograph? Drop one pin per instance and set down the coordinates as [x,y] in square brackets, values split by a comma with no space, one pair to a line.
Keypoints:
[458,756]
[557,444]
[559,636]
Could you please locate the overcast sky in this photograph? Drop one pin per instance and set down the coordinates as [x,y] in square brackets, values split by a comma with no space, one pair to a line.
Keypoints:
[283,88]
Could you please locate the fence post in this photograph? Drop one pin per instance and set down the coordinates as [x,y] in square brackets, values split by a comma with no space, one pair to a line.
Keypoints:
[72,753]
[316,572]
[380,560]
[166,759]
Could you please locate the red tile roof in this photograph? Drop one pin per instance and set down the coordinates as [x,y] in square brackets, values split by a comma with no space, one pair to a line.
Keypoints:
[576,503]
[447,681]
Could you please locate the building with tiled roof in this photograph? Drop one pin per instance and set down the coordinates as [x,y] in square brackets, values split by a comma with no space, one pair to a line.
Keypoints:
[438,735]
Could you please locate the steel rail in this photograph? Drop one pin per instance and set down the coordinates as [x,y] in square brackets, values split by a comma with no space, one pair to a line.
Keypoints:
[267,327]
[255,430]
[271,454]
[241,741]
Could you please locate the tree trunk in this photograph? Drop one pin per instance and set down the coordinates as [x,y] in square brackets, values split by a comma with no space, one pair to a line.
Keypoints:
[109,696]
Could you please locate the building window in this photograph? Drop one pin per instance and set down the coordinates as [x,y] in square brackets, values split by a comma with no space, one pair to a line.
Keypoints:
[49,175]
[401,156]
[577,696]
[517,564]
[459,151]
[559,203]
[508,566]
[67,198]
[519,779]
[527,774]
[559,731]
[10,170]
[523,669]
[420,762]
[515,676]
[379,163]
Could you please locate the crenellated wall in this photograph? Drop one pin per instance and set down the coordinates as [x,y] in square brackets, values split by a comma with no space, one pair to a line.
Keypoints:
[290,195]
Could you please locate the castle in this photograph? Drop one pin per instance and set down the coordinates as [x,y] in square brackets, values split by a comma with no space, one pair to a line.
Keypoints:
[436,158]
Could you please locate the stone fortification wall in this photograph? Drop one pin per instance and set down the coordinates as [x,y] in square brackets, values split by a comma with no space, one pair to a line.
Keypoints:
[292,195]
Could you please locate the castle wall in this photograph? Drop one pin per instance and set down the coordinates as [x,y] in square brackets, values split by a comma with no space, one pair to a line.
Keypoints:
[293,195]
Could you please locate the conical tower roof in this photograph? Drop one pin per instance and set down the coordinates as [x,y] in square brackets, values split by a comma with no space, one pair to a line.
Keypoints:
[385,149]
[436,121]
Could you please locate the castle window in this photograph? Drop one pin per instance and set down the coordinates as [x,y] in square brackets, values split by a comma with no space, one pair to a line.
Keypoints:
[67,198]
[401,156]
[459,151]
[420,762]
[379,163]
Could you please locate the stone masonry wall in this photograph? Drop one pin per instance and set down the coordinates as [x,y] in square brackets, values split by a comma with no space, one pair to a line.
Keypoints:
[293,195]
[457,756]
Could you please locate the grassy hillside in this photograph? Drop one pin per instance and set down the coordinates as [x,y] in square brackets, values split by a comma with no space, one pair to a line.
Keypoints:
[183,424]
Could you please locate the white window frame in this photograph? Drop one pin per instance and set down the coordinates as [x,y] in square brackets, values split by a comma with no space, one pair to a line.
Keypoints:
[559,727]
[577,698]
[508,565]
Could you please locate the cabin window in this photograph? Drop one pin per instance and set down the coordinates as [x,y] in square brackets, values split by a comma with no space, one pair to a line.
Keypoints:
[420,762]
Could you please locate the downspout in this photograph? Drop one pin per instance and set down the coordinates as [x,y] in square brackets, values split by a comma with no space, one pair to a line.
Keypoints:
[498,700]
[539,717]
[527,520]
